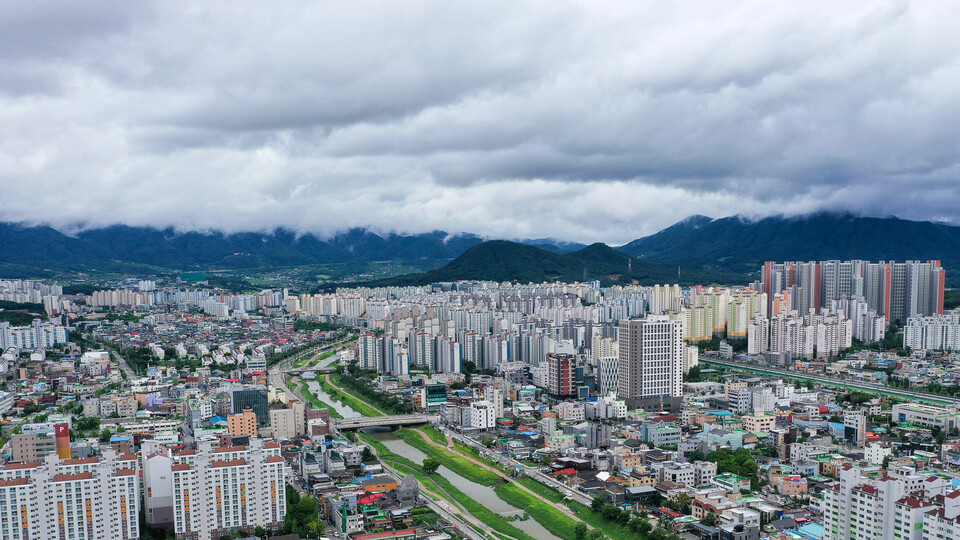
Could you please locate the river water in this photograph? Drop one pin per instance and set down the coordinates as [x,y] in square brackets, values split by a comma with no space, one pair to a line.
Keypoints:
[337,405]
[483,494]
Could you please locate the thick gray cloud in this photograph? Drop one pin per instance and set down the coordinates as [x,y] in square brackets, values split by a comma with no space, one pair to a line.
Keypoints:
[578,120]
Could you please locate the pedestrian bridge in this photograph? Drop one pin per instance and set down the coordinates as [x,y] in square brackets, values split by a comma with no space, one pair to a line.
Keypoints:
[384,421]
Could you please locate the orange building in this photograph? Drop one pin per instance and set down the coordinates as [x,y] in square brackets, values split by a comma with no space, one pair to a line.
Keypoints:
[244,423]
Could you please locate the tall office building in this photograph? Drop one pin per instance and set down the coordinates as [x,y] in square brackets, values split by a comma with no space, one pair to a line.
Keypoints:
[80,499]
[650,374]
[607,373]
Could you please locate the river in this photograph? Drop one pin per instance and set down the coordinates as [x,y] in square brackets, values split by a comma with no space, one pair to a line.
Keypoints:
[337,405]
[483,494]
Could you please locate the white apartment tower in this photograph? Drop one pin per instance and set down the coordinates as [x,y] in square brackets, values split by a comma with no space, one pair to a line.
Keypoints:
[865,507]
[214,490]
[650,373]
[368,352]
[80,499]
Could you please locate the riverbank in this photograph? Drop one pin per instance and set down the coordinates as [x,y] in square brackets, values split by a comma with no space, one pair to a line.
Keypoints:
[442,488]
[301,389]
[347,398]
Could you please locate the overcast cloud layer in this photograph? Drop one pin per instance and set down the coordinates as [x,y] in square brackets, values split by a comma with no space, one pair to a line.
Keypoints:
[582,121]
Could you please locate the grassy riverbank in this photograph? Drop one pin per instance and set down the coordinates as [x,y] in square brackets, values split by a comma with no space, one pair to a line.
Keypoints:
[462,466]
[547,515]
[347,399]
[442,487]
[552,519]
[303,390]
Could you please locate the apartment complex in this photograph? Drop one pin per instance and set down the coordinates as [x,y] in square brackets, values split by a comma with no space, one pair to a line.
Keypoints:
[211,491]
[80,499]
[933,332]
[867,504]
[896,291]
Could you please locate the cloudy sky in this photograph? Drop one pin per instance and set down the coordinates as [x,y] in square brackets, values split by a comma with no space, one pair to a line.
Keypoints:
[577,120]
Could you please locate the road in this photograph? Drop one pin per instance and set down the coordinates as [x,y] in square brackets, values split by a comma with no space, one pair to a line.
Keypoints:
[275,372]
[837,382]
[442,507]
[532,472]
[131,376]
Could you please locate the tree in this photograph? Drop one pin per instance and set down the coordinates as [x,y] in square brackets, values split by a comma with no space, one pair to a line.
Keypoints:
[260,532]
[610,511]
[580,531]
[709,520]
[430,465]
[596,534]
[597,504]
[682,503]
[105,435]
[367,454]
[698,455]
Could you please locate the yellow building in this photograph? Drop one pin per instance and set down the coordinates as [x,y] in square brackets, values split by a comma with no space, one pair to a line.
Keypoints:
[760,423]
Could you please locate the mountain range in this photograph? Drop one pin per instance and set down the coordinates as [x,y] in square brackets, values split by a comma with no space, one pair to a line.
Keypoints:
[740,245]
[499,260]
[704,249]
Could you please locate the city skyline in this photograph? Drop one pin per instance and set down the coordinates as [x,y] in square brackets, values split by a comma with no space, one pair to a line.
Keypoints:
[485,119]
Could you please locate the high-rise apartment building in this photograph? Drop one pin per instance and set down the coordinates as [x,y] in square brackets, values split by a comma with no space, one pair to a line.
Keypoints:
[81,499]
[212,491]
[870,506]
[650,374]
[895,291]
[368,352]
[561,374]
[665,299]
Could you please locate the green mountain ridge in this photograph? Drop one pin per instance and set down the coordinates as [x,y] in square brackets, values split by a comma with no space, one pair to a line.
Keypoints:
[501,260]
[740,245]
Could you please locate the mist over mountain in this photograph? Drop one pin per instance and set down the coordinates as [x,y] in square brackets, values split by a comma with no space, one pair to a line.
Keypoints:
[738,244]
[733,248]
[29,249]
[499,260]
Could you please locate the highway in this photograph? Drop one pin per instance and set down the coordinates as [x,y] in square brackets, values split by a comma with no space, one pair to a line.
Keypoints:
[914,395]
